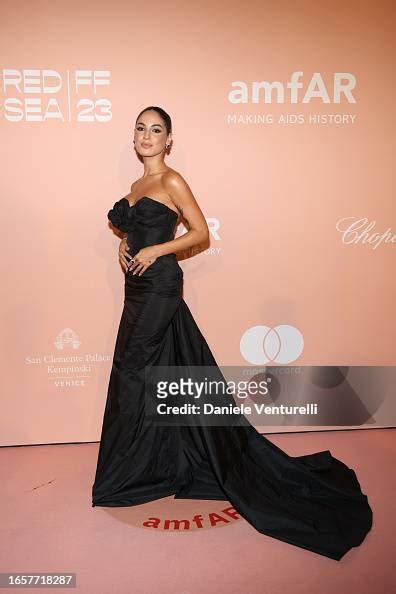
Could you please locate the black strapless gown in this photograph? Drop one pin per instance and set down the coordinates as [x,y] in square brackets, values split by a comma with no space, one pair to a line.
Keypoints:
[312,501]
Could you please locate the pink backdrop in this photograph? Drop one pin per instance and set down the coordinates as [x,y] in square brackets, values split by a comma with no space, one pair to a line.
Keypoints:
[280,174]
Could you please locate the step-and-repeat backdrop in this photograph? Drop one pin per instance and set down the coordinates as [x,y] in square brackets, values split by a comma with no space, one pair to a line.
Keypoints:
[283,117]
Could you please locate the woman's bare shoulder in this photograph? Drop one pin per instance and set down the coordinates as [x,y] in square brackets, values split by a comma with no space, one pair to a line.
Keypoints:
[169,175]
[174,179]
[133,184]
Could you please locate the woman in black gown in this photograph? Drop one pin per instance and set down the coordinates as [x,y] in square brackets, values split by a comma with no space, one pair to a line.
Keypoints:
[312,501]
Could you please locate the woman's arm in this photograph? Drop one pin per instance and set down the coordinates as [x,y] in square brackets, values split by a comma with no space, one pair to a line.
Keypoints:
[188,209]
[123,250]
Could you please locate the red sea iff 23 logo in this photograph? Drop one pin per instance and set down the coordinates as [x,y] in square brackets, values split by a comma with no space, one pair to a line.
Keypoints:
[45,95]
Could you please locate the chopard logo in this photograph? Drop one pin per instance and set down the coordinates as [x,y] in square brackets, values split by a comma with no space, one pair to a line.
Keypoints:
[354,230]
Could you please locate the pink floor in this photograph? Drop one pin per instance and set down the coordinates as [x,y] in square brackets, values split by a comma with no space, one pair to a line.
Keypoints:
[48,524]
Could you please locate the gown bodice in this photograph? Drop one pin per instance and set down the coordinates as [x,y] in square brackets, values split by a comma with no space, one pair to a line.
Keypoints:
[147,222]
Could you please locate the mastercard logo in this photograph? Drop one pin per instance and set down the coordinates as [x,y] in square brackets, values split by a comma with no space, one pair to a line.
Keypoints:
[261,344]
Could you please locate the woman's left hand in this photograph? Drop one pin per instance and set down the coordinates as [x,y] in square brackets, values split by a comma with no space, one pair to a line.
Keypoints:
[143,259]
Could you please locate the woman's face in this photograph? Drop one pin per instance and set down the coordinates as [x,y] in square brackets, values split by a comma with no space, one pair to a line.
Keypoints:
[150,134]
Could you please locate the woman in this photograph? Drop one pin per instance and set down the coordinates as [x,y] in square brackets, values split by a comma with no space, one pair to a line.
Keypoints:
[313,501]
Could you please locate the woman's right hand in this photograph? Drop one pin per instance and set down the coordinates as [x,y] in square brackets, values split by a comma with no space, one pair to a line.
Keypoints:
[123,254]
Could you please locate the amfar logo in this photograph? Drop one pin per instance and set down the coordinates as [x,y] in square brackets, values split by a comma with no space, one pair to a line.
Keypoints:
[67,338]
[184,517]
[342,85]
[36,95]
[212,250]
[212,520]
[261,344]
[354,230]
[213,226]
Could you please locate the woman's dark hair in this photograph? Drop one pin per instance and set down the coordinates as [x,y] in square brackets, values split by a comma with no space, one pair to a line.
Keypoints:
[162,113]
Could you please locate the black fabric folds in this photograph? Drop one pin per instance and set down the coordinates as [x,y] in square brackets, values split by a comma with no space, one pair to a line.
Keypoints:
[314,501]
